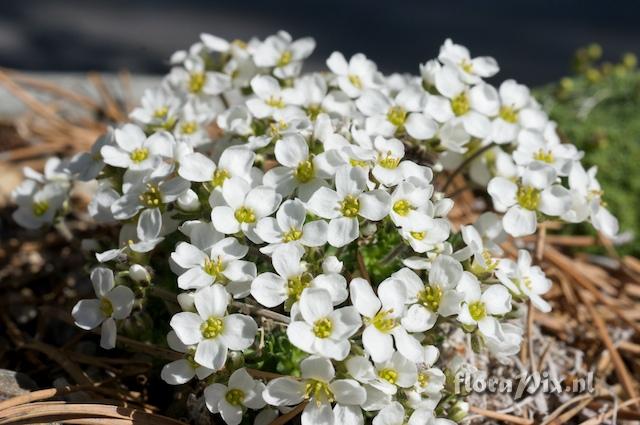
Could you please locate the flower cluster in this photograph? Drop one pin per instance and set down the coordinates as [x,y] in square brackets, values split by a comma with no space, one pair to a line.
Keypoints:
[254,191]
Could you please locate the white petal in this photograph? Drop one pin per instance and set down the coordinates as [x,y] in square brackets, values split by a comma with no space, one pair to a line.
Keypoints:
[102,280]
[211,353]
[177,372]
[108,334]
[239,331]
[315,304]
[316,367]
[269,289]
[122,299]
[363,297]
[87,314]
[519,221]
[348,392]
[284,392]
[187,327]
[374,205]
[342,231]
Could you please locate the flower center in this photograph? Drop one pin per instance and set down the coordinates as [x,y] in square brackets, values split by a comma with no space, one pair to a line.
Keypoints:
[460,104]
[423,379]
[212,327]
[292,235]
[466,66]
[389,375]
[509,114]
[161,112]
[477,310]
[219,176]
[319,391]
[350,206]
[544,156]
[106,307]
[275,102]
[528,197]
[397,116]
[418,235]
[305,172]
[245,215]
[357,163]
[285,58]
[430,297]
[152,197]
[383,322]
[322,328]
[139,155]
[214,268]
[189,127]
[389,162]
[526,282]
[40,208]
[314,110]
[234,397]
[196,82]
[402,207]
[297,284]
[355,81]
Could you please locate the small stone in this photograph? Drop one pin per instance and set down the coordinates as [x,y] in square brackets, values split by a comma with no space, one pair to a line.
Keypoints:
[14,384]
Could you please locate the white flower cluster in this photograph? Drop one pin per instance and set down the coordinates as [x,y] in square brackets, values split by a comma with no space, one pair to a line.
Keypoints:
[272,182]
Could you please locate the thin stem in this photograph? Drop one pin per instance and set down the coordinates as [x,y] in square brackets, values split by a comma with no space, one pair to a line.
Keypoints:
[464,164]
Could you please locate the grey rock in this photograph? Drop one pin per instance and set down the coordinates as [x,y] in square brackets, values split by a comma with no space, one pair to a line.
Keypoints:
[14,383]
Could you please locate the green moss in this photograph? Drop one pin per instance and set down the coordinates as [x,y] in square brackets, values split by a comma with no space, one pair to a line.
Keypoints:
[598,109]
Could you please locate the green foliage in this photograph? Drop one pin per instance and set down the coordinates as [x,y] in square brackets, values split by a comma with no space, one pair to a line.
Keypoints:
[278,355]
[598,109]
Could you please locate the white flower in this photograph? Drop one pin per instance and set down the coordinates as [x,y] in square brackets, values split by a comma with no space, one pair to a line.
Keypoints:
[135,151]
[319,387]
[513,98]
[270,100]
[410,203]
[113,303]
[147,192]
[212,329]
[323,331]
[245,206]
[382,316]
[37,205]
[438,297]
[343,205]
[181,371]
[158,108]
[196,81]
[533,146]
[535,192]
[586,196]
[470,70]
[478,307]
[231,400]
[284,55]
[289,227]
[218,263]
[482,240]
[271,289]
[234,162]
[356,75]
[385,117]
[472,106]
[299,171]
[522,278]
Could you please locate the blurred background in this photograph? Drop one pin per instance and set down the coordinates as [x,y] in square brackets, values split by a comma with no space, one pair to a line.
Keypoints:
[533,40]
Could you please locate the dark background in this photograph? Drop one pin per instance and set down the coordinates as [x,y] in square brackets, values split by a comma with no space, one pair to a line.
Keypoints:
[533,40]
